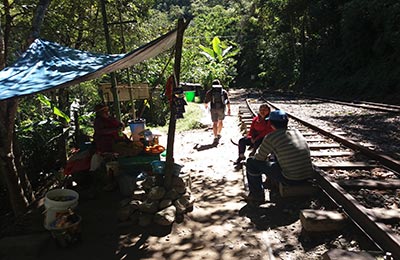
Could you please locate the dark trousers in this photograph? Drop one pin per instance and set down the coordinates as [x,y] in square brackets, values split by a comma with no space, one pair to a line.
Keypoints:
[246,141]
[254,171]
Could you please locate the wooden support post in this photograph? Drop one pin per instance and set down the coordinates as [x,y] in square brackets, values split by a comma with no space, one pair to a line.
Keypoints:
[169,163]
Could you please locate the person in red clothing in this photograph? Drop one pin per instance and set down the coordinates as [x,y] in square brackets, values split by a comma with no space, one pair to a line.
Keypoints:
[107,130]
[258,130]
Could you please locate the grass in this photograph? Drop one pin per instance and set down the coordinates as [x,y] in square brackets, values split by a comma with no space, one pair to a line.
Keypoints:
[192,119]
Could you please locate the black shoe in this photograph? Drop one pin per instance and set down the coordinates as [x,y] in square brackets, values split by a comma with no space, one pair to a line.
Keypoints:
[238,166]
[254,201]
[239,160]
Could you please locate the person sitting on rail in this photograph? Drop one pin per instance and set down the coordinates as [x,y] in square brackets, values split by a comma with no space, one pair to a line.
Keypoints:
[292,162]
[259,128]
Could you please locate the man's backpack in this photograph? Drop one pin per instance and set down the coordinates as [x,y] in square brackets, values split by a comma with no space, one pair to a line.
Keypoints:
[217,98]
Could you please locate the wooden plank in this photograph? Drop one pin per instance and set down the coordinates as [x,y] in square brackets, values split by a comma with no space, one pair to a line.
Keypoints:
[309,134]
[330,154]
[323,146]
[384,215]
[339,133]
[344,165]
[340,254]
[370,184]
[316,140]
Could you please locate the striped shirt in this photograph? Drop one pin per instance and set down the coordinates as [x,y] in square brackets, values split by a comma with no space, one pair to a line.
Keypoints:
[291,151]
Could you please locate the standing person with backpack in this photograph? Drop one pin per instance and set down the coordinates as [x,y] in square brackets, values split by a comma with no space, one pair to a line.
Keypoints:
[219,100]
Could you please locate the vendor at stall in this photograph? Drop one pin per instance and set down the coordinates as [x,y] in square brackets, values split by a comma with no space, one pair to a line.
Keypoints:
[107,130]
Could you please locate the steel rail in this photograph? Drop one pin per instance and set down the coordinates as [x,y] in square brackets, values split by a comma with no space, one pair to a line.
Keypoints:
[380,234]
[382,158]
[362,105]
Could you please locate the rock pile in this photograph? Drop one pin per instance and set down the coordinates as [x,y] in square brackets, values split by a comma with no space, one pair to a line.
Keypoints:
[153,203]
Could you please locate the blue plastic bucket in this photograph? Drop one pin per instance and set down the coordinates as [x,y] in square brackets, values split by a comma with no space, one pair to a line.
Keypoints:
[136,127]
[158,168]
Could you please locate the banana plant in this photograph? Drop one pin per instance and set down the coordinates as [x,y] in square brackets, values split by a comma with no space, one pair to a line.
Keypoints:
[45,101]
[219,51]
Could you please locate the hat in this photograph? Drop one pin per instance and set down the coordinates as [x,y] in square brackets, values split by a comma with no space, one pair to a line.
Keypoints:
[277,115]
[100,107]
[216,83]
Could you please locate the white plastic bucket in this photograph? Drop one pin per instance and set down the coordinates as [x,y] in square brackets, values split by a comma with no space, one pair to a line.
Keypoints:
[136,127]
[57,202]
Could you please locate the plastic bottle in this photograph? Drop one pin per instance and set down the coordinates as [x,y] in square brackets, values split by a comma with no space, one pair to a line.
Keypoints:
[148,136]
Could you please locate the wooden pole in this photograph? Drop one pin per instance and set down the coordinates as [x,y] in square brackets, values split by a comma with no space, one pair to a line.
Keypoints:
[117,109]
[169,163]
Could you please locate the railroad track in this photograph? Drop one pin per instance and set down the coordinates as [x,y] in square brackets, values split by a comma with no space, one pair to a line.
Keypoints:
[362,182]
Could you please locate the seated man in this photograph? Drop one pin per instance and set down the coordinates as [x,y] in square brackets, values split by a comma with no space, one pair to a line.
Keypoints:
[292,164]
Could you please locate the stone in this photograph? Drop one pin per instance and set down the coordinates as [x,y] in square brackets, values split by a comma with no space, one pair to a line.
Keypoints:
[149,207]
[165,203]
[145,219]
[166,216]
[139,195]
[322,220]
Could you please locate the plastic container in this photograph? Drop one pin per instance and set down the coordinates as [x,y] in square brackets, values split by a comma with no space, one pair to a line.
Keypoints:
[69,235]
[57,202]
[137,126]
[158,168]
[190,95]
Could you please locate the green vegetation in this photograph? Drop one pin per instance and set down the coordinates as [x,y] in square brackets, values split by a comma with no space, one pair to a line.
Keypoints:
[192,119]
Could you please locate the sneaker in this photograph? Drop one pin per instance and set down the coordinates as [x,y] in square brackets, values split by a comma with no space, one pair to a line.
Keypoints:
[238,166]
[239,160]
[253,200]
[219,137]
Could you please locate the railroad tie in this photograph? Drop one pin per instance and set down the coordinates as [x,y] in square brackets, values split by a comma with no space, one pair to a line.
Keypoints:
[322,220]
[298,190]
[340,254]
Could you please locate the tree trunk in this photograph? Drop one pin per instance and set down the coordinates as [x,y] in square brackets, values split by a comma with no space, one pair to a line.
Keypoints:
[8,167]
[8,110]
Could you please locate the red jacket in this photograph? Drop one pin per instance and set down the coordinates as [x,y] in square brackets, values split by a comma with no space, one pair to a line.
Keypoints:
[259,128]
[106,133]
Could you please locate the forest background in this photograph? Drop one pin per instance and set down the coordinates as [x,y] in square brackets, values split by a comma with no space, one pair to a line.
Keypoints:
[341,48]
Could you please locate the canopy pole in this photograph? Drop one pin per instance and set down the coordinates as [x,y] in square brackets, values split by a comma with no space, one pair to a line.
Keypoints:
[169,162]
[117,109]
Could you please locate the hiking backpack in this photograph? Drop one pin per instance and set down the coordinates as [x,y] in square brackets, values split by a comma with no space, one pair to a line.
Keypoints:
[217,98]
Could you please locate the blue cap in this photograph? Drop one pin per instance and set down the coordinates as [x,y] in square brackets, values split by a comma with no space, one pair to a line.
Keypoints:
[277,115]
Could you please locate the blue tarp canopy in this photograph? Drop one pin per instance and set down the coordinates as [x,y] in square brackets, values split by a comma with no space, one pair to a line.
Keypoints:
[46,65]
